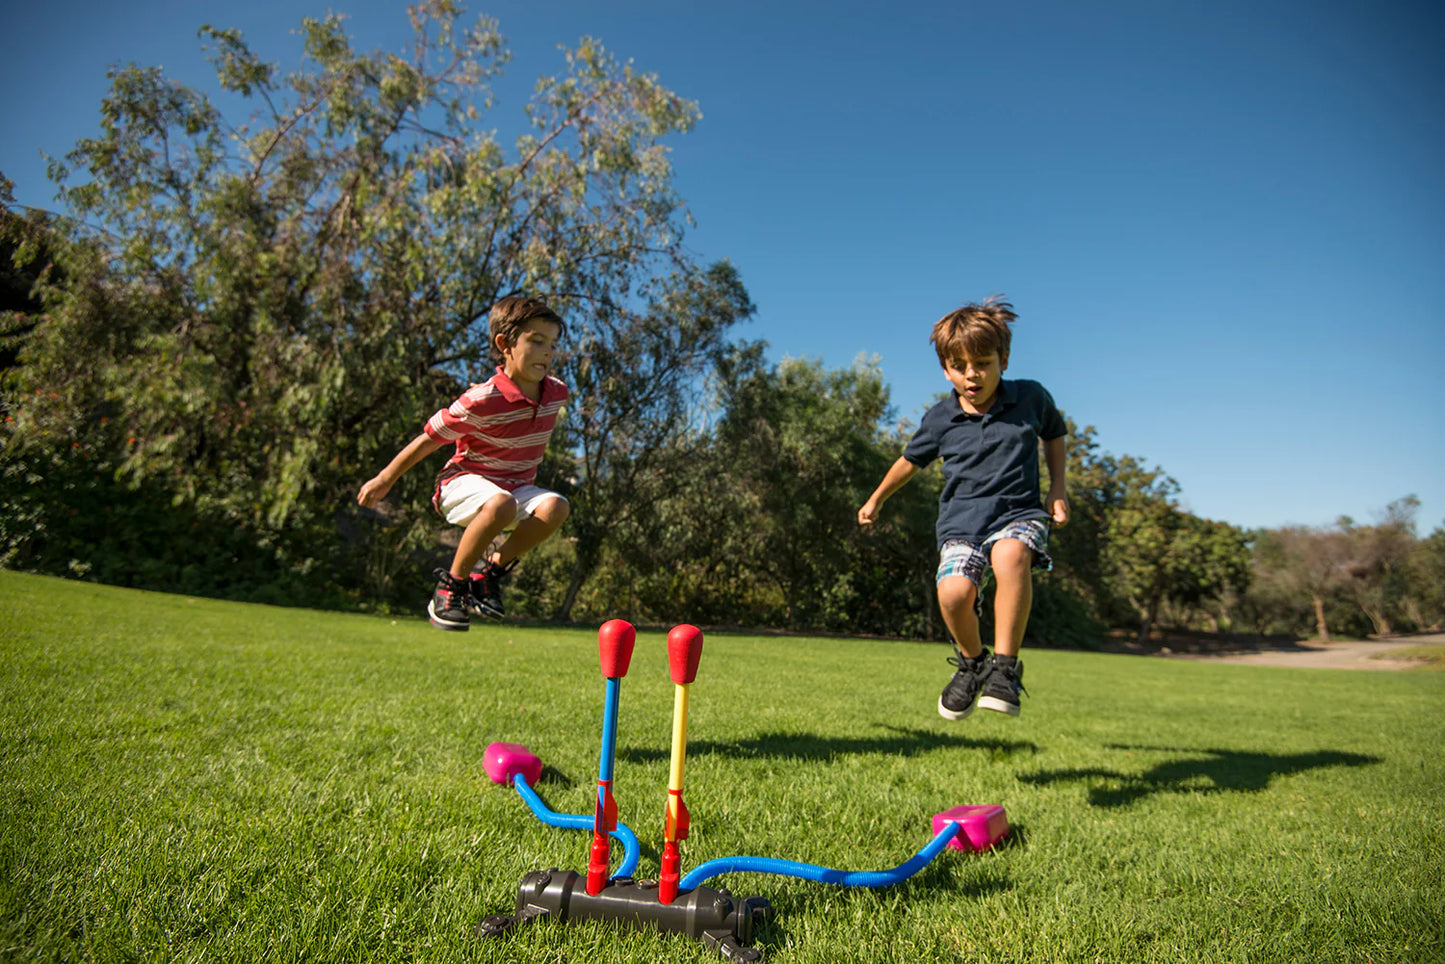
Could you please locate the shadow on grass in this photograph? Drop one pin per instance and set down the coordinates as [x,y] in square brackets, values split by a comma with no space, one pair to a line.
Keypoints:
[1199,771]
[901,741]
[556,777]
[1017,839]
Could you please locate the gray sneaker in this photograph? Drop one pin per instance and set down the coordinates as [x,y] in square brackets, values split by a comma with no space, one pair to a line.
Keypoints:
[448,606]
[961,692]
[486,594]
[1004,684]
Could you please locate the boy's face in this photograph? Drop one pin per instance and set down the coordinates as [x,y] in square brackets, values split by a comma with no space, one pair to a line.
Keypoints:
[530,359]
[976,379]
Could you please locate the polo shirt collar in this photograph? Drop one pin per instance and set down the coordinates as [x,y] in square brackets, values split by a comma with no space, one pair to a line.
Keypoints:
[1007,390]
[513,394]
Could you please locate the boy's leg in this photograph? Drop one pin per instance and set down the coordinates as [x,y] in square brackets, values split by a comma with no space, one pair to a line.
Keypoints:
[483,509]
[959,572]
[451,600]
[546,518]
[542,515]
[495,515]
[1012,561]
[957,601]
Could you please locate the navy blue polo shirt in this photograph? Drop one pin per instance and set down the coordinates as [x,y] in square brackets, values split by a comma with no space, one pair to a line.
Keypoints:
[990,461]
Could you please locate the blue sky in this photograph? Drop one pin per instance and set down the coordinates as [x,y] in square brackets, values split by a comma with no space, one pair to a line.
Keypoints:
[1222,224]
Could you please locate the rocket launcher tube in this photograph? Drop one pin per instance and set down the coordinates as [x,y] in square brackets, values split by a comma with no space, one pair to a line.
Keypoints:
[615,640]
[676,823]
[679,737]
[604,819]
[684,648]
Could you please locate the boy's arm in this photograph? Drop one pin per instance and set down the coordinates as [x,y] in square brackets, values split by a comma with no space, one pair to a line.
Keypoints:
[898,473]
[417,449]
[1057,501]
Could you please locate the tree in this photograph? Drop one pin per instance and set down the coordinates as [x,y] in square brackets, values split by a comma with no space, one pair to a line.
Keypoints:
[1377,561]
[1157,552]
[27,258]
[1097,484]
[1426,575]
[800,442]
[898,564]
[1214,566]
[750,517]
[635,378]
[1301,561]
[262,312]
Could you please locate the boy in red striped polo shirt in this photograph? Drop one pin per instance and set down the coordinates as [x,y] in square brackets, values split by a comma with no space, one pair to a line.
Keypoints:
[500,429]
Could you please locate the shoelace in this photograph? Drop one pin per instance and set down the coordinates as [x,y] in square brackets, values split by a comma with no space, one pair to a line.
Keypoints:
[1014,674]
[452,588]
[966,664]
[494,574]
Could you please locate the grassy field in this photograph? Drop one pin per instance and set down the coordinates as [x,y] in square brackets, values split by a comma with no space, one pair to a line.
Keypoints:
[187,780]
[1428,655]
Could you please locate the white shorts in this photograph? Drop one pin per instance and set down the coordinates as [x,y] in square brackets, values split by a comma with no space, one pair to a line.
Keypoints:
[463,496]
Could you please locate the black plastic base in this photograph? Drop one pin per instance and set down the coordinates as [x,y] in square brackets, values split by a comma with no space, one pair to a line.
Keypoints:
[719,920]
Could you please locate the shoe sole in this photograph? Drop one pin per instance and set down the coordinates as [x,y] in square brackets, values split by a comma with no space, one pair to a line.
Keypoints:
[480,610]
[948,714]
[439,623]
[997,705]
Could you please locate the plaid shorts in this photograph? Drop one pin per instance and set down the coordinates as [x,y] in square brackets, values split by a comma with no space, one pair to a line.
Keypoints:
[959,557]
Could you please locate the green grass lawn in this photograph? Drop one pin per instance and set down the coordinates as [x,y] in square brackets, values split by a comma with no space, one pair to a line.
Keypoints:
[185,780]
[1431,657]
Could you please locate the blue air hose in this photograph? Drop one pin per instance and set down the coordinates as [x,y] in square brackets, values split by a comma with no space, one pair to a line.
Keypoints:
[823,875]
[576,821]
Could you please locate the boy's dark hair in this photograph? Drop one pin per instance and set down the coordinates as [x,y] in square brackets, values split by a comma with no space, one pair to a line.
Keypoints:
[510,314]
[976,329]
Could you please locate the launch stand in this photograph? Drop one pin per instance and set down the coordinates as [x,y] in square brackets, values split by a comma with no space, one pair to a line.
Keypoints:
[676,903]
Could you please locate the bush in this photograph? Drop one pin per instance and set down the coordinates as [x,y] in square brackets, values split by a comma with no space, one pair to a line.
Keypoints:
[1059,620]
[70,516]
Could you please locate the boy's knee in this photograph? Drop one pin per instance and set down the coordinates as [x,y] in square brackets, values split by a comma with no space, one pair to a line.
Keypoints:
[957,593]
[554,511]
[502,506]
[1011,557]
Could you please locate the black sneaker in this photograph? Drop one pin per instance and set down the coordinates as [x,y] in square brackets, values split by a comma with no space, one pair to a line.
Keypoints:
[485,598]
[1005,683]
[448,606]
[961,692]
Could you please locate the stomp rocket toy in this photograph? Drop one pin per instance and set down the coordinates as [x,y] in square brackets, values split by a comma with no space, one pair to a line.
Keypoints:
[676,902]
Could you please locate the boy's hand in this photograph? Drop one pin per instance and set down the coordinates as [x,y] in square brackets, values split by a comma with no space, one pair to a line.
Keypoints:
[868,514]
[373,492]
[1058,505]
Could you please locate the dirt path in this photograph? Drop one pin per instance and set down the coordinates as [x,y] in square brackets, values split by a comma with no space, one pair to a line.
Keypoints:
[1366,654]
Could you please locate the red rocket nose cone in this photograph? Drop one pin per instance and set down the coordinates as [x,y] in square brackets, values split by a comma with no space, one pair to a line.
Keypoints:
[615,640]
[684,649]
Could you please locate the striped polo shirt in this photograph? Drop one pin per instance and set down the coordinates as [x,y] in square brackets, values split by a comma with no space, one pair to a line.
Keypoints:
[500,433]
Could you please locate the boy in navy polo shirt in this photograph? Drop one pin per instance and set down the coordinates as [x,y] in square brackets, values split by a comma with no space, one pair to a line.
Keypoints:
[988,433]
